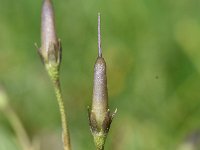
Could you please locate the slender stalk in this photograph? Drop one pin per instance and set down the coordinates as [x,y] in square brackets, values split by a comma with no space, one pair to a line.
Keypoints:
[18,128]
[50,53]
[54,75]
[15,122]
[66,139]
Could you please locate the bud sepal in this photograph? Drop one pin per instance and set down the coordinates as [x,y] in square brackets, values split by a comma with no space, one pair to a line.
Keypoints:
[52,56]
[100,129]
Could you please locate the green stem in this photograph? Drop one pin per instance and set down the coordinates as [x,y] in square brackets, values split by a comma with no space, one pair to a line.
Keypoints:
[18,128]
[99,140]
[54,75]
[66,139]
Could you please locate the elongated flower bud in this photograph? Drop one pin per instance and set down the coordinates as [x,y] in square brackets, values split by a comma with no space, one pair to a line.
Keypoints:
[99,116]
[48,25]
[100,92]
[50,53]
[50,50]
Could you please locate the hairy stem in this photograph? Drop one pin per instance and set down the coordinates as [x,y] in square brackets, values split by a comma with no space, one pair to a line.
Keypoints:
[54,74]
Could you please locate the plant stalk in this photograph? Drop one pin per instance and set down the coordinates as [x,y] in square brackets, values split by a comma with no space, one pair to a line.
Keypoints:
[18,128]
[54,75]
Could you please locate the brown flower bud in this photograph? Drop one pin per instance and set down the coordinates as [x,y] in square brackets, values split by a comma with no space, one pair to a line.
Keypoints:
[50,50]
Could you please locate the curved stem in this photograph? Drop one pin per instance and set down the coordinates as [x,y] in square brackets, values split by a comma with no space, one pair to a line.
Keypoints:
[18,128]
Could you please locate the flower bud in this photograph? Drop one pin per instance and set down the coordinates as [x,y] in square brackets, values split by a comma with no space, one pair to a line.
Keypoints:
[50,50]
[99,116]
[100,92]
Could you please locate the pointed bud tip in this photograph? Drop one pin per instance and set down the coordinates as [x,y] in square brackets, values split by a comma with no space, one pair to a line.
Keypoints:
[48,25]
[50,50]
[100,61]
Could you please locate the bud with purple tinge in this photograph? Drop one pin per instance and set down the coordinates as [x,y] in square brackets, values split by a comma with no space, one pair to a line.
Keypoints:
[50,50]
[100,92]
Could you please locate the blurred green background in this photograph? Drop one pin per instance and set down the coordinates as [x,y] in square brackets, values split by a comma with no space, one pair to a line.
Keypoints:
[152,50]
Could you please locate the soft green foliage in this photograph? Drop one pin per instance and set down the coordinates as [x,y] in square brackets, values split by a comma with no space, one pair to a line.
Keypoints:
[152,51]
[7,140]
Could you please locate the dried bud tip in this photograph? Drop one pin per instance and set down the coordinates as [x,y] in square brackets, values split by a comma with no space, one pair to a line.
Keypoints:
[113,114]
[99,36]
